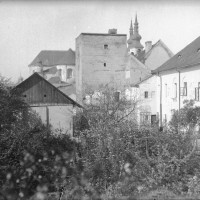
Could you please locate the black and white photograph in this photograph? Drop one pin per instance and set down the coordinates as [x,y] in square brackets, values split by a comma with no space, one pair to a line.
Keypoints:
[99,100]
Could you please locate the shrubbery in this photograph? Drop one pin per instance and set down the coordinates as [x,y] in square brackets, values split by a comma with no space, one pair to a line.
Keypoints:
[114,158]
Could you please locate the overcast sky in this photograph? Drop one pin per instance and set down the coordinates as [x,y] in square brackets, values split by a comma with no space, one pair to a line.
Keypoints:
[26,28]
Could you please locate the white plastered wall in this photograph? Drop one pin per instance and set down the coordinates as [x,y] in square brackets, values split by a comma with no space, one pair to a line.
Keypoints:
[60,117]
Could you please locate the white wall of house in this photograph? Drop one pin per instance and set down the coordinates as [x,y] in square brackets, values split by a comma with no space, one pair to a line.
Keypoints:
[149,99]
[60,117]
[170,89]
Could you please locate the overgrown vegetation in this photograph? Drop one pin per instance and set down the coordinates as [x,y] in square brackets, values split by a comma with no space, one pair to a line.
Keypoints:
[114,158]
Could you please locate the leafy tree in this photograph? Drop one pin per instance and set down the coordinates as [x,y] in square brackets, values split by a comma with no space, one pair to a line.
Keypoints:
[32,159]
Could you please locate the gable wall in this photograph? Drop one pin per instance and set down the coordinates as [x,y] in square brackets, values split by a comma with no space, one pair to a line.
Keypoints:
[38,91]
[157,57]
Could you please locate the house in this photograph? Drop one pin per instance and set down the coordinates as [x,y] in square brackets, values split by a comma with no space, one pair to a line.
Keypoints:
[179,80]
[53,106]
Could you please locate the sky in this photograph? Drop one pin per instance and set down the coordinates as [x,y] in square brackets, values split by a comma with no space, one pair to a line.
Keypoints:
[27,27]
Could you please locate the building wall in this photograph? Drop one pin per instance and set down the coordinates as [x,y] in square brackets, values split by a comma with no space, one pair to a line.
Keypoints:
[63,68]
[157,57]
[149,103]
[60,117]
[135,70]
[169,101]
[91,58]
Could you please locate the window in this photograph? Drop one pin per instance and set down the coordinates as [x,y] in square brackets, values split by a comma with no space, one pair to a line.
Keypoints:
[197,92]
[117,96]
[175,91]
[153,119]
[104,64]
[184,89]
[105,46]
[145,94]
[165,90]
[153,94]
[145,117]
[69,73]
[128,74]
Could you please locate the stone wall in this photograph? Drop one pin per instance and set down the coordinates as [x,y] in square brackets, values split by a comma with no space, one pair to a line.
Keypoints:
[100,59]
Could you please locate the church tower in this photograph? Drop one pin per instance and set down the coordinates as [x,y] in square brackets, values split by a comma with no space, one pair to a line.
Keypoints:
[134,45]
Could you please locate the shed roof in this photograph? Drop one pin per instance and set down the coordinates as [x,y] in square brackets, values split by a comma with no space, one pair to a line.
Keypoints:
[51,58]
[35,79]
[187,57]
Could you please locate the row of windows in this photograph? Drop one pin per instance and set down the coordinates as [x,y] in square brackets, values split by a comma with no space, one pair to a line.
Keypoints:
[147,95]
[183,91]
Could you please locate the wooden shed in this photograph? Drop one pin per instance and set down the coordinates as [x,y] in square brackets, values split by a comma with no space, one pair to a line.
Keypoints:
[53,106]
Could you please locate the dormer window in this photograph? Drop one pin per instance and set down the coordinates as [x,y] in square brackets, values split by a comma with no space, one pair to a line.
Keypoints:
[105,46]
[104,64]
[179,56]
[198,50]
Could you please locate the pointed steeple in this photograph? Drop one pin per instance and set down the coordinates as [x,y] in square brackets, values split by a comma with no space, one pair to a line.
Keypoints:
[136,25]
[134,39]
[131,28]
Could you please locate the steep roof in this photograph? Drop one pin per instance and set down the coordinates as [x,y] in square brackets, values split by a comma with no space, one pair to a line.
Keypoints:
[52,58]
[35,79]
[189,56]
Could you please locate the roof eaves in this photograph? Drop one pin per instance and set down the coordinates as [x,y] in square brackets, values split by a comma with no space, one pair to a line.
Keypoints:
[174,68]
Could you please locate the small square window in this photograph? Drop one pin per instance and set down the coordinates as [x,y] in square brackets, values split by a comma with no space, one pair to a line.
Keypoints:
[105,46]
[104,64]
[145,94]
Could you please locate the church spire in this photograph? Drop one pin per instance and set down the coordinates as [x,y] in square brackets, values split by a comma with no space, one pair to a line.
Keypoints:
[136,25]
[131,28]
[134,44]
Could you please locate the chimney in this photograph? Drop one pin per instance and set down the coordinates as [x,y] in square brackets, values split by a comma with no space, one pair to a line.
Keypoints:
[148,46]
[112,31]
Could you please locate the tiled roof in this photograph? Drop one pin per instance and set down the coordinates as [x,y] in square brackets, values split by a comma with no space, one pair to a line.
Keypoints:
[52,58]
[189,56]
[55,79]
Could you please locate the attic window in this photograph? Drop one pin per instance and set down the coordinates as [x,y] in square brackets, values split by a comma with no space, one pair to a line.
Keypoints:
[104,64]
[45,95]
[179,56]
[198,50]
[25,95]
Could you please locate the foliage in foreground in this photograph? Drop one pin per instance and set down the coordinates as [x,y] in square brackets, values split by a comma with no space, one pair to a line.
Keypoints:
[115,158]
[32,159]
[120,158]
